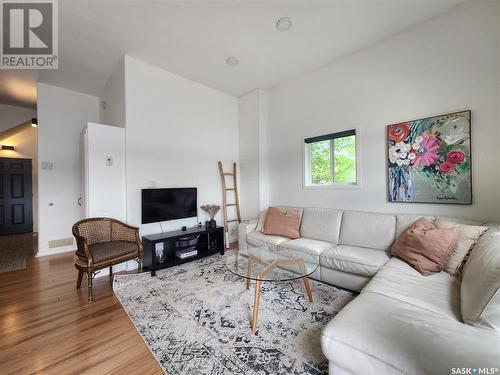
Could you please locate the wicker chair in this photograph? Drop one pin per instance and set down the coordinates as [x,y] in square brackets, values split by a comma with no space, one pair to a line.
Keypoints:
[104,242]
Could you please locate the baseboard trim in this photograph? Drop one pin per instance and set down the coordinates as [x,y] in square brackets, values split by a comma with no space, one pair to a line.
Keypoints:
[58,250]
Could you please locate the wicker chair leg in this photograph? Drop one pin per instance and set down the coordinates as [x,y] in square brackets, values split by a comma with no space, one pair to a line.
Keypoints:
[79,280]
[139,265]
[110,271]
[89,279]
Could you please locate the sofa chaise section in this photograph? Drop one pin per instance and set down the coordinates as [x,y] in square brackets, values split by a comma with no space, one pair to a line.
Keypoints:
[403,322]
[377,334]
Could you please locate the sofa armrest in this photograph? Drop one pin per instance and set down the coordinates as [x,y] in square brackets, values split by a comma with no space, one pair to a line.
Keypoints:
[244,228]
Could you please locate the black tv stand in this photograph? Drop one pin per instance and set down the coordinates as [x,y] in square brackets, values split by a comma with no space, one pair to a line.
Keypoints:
[160,248]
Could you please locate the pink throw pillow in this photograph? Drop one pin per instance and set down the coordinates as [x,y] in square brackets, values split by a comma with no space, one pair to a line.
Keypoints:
[282,223]
[425,247]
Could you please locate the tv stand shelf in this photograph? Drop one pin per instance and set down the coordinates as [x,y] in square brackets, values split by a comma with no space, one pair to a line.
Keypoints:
[160,248]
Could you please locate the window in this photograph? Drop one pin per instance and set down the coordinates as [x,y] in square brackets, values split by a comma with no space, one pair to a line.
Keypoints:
[331,159]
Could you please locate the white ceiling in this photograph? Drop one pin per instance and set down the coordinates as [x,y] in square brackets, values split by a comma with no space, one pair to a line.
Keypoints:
[193,39]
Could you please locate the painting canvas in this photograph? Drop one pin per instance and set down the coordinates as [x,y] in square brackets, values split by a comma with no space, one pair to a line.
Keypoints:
[429,160]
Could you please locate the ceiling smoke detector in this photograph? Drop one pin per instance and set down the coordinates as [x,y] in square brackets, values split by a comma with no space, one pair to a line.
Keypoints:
[232,61]
[284,24]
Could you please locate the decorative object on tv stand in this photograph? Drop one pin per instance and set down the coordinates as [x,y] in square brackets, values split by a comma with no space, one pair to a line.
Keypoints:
[429,160]
[211,210]
[160,252]
[186,247]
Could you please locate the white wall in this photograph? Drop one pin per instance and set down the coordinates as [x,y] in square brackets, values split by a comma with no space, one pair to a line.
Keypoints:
[252,112]
[24,139]
[263,151]
[113,98]
[445,65]
[62,115]
[248,113]
[498,79]
[176,131]
[11,116]
[105,190]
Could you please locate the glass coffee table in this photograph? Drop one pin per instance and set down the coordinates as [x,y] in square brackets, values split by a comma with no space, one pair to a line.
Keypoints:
[262,264]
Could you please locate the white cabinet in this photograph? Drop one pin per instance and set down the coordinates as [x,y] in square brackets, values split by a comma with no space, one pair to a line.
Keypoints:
[104,182]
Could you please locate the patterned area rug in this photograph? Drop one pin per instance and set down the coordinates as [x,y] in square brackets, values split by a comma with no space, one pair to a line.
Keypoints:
[195,318]
[14,250]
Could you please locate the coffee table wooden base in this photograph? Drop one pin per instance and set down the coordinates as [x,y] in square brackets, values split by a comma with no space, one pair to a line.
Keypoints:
[269,266]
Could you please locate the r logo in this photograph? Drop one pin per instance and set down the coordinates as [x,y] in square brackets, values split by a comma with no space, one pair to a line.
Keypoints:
[29,34]
[27,28]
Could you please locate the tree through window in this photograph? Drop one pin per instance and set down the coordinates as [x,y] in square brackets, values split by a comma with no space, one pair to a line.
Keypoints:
[331,159]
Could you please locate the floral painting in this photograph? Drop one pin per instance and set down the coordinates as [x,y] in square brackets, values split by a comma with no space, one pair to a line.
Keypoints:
[429,160]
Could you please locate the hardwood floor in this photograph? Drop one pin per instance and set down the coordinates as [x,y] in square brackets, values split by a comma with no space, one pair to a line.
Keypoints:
[47,326]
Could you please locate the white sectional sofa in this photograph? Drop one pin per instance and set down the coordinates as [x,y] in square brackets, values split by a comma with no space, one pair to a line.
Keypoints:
[402,322]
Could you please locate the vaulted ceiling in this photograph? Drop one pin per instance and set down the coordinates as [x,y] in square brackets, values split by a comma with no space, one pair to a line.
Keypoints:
[194,38]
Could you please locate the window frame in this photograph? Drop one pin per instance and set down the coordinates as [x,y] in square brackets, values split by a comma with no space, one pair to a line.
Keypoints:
[306,163]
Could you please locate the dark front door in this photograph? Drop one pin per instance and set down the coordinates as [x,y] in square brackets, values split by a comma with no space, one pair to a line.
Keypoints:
[16,196]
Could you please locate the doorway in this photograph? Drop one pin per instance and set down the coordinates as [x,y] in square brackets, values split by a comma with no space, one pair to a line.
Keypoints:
[16,196]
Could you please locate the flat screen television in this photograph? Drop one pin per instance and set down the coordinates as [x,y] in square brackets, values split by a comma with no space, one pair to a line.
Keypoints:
[168,204]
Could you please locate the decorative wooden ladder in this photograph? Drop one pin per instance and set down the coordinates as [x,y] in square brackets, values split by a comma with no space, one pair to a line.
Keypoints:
[225,203]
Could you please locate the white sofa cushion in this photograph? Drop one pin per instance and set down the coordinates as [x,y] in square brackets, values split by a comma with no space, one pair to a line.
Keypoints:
[321,224]
[366,229]
[480,289]
[468,235]
[403,222]
[305,248]
[439,293]
[375,334]
[343,279]
[354,259]
[259,239]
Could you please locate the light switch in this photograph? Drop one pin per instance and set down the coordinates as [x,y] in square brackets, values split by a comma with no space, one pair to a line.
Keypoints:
[108,160]
[47,165]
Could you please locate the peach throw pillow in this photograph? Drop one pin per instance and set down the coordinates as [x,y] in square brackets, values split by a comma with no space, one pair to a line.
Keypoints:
[282,222]
[425,247]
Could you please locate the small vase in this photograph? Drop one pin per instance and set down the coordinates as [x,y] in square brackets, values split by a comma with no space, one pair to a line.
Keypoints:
[160,256]
[212,224]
